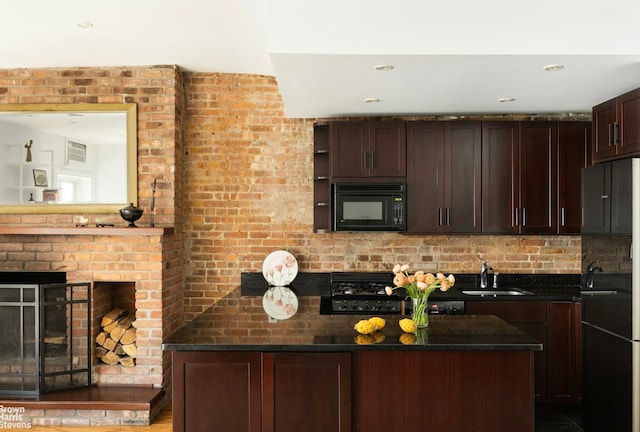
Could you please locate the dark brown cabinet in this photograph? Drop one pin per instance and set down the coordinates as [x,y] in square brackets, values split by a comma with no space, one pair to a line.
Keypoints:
[536,210]
[574,153]
[453,391]
[531,176]
[500,177]
[516,177]
[216,391]
[563,352]
[606,198]
[444,177]
[364,149]
[261,392]
[556,326]
[616,127]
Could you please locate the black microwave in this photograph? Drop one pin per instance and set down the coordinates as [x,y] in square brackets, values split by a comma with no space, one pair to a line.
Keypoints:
[369,207]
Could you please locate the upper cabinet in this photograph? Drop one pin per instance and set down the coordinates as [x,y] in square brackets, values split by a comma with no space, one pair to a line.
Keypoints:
[606,198]
[444,177]
[370,148]
[530,176]
[616,127]
[500,177]
[574,153]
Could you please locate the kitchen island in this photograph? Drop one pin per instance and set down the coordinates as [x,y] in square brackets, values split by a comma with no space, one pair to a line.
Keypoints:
[467,372]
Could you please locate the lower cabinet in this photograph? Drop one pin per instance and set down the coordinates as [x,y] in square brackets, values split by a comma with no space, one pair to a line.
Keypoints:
[261,392]
[557,326]
[451,390]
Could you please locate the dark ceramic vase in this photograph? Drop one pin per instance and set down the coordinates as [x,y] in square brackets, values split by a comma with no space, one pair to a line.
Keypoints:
[131,214]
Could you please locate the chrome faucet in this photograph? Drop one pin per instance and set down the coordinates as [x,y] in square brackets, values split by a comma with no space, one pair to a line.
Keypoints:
[591,269]
[484,272]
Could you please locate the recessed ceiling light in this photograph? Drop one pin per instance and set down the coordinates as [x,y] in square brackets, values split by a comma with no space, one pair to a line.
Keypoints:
[372,100]
[84,25]
[553,67]
[506,99]
[384,67]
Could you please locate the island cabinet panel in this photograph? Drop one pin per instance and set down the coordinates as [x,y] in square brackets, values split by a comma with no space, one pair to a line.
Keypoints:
[442,391]
[306,392]
[444,177]
[216,392]
[261,392]
[530,318]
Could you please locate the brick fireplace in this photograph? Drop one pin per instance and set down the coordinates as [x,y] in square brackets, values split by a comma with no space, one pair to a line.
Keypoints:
[132,268]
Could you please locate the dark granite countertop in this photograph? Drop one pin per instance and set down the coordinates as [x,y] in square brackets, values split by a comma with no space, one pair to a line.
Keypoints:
[218,330]
[546,287]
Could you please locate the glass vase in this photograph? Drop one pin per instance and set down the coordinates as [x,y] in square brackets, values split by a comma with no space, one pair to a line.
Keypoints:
[419,313]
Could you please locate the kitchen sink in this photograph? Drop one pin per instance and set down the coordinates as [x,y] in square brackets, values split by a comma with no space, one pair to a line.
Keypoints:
[498,292]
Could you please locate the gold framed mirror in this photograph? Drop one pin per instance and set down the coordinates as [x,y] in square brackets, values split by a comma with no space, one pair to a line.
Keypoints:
[67,158]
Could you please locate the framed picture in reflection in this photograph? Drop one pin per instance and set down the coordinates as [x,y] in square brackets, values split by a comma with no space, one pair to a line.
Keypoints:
[40,178]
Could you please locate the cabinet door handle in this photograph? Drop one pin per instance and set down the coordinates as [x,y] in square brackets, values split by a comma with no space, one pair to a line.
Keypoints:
[364,160]
[604,196]
[516,213]
[610,134]
[616,133]
[373,159]
[524,216]
[448,216]
[562,216]
[439,216]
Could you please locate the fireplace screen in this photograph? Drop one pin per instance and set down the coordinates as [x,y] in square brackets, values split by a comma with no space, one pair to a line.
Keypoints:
[45,341]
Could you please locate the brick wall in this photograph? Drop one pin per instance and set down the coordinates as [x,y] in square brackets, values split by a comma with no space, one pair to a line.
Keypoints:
[153,263]
[248,192]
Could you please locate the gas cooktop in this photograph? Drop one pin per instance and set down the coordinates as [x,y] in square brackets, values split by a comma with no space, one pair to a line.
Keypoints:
[364,292]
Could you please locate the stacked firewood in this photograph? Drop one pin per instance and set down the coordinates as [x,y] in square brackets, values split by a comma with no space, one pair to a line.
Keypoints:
[116,343]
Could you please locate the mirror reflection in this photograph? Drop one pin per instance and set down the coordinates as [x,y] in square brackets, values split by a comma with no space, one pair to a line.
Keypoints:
[67,155]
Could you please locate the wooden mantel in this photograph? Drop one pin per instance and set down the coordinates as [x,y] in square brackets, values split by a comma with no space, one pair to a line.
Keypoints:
[119,231]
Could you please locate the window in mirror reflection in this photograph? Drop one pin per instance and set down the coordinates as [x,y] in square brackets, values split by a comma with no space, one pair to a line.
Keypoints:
[84,155]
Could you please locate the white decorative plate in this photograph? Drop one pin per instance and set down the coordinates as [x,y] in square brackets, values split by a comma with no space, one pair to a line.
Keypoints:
[280,303]
[280,268]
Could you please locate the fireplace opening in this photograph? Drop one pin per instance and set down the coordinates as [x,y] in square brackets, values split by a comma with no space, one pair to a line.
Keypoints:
[45,339]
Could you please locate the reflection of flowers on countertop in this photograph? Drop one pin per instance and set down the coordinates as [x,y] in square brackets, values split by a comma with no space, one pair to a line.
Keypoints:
[282,273]
[283,299]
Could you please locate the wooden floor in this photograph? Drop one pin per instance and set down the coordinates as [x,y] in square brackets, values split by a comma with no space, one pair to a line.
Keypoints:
[162,423]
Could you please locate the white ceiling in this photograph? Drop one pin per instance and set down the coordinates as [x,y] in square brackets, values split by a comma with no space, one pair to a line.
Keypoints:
[449,57]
